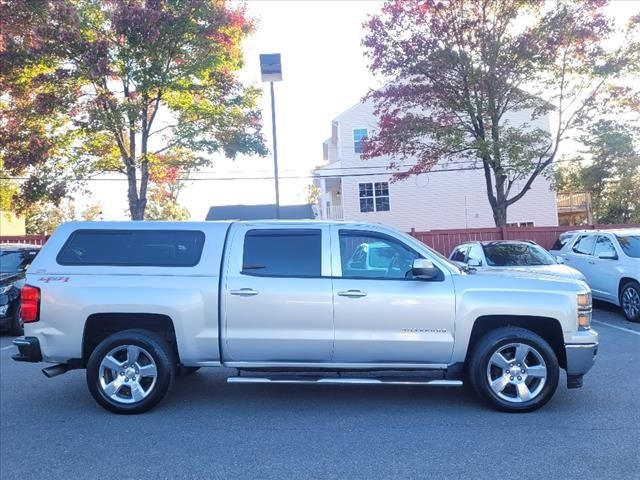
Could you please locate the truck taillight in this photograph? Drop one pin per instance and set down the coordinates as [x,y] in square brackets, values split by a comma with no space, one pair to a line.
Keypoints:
[30,304]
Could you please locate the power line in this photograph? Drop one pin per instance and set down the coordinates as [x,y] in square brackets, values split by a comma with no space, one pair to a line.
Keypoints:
[288,177]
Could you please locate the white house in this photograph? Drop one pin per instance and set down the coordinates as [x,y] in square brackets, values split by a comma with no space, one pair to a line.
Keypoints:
[445,198]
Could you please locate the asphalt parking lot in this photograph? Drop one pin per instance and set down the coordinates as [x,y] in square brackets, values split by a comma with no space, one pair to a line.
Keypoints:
[205,428]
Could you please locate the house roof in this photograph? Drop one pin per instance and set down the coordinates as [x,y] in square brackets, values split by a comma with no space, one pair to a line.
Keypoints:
[260,212]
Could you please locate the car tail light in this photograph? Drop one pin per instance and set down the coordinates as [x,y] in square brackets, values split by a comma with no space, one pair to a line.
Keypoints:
[30,304]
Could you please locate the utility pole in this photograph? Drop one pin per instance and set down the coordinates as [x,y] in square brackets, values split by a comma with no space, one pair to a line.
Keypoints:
[271,71]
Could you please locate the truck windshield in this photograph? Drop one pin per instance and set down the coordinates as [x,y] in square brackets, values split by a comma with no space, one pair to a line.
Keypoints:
[630,245]
[516,254]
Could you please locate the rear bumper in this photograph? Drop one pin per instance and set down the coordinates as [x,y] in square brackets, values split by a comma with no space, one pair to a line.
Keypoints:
[28,350]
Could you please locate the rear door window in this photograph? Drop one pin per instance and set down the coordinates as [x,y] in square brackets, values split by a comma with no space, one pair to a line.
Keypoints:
[135,248]
[283,253]
[604,245]
[584,245]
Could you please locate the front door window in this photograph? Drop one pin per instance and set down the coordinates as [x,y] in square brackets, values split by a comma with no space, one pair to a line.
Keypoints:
[372,256]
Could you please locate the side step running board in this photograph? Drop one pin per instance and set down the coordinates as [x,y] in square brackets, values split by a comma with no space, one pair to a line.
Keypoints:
[350,381]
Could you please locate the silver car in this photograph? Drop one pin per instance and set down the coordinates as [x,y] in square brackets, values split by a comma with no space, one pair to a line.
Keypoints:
[512,255]
[610,261]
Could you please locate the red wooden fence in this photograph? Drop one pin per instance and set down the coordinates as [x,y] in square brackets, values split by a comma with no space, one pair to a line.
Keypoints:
[445,240]
[22,239]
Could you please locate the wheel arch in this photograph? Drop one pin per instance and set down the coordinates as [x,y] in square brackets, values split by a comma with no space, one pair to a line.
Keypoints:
[548,328]
[623,281]
[99,326]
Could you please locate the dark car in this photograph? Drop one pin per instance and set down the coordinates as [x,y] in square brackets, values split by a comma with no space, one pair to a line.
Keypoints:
[14,261]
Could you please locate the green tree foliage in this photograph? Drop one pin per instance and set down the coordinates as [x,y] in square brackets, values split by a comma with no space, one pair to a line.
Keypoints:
[43,218]
[92,212]
[108,85]
[471,82]
[609,169]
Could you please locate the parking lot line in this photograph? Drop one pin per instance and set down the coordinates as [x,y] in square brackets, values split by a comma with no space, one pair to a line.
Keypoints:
[628,330]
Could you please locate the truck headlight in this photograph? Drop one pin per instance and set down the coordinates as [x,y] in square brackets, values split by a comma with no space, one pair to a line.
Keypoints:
[584,301]
[584,310]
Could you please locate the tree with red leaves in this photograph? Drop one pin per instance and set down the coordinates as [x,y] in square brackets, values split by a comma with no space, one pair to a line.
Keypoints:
[113,85]
[471,82]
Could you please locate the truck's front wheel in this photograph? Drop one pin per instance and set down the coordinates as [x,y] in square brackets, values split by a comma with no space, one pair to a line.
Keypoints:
[130,371]
[514,370]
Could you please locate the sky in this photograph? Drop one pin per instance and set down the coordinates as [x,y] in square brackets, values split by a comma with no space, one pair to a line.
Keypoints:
[324,73]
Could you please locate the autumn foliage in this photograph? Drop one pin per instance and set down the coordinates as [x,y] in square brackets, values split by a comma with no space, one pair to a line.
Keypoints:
[111,85]
[477,84]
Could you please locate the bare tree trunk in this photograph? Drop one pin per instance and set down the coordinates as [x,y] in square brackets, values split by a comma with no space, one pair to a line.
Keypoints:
[500,205]
[132,195]
[500,214]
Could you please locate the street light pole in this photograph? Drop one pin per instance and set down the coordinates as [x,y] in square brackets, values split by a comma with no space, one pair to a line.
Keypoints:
[271,71]
[275,151]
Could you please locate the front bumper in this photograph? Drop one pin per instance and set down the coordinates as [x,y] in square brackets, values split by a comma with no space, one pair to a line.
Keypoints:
[580,357]
[28,350]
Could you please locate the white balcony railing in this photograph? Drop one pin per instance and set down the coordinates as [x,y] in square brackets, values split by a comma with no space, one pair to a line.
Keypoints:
[333,212]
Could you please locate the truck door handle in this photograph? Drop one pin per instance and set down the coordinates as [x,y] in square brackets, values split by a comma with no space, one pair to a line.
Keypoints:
[352,293]
[244,292]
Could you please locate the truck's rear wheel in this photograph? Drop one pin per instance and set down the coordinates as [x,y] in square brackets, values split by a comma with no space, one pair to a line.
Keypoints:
[514,370]
[130,371]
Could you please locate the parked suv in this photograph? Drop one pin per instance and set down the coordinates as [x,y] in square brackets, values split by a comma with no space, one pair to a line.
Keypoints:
[610,261]
[294,302]
[512,255]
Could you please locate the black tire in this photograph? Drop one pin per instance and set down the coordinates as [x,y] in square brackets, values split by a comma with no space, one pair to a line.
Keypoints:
[478,370]
[631,287]
[17,325]
[153,345]
[183,371]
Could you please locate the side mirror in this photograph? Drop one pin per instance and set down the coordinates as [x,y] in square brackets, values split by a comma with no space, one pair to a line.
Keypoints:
[608,256]
[423,268]
[560,260]
[474,262]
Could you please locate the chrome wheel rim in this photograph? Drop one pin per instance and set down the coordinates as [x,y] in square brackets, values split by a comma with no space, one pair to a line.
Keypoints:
[631,302]
[128,374]
[516,373]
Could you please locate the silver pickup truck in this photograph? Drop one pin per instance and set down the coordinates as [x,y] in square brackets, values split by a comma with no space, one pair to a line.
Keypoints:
[137,303]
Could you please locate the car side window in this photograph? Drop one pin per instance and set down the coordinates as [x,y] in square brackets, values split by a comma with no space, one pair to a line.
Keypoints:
[459,254]
[561,241]
[365,255]
[475,253]
[604,245]
[282,253]
[584,245]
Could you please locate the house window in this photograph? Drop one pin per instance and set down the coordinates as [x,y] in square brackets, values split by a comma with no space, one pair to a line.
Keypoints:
[359,134]
[374,197]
